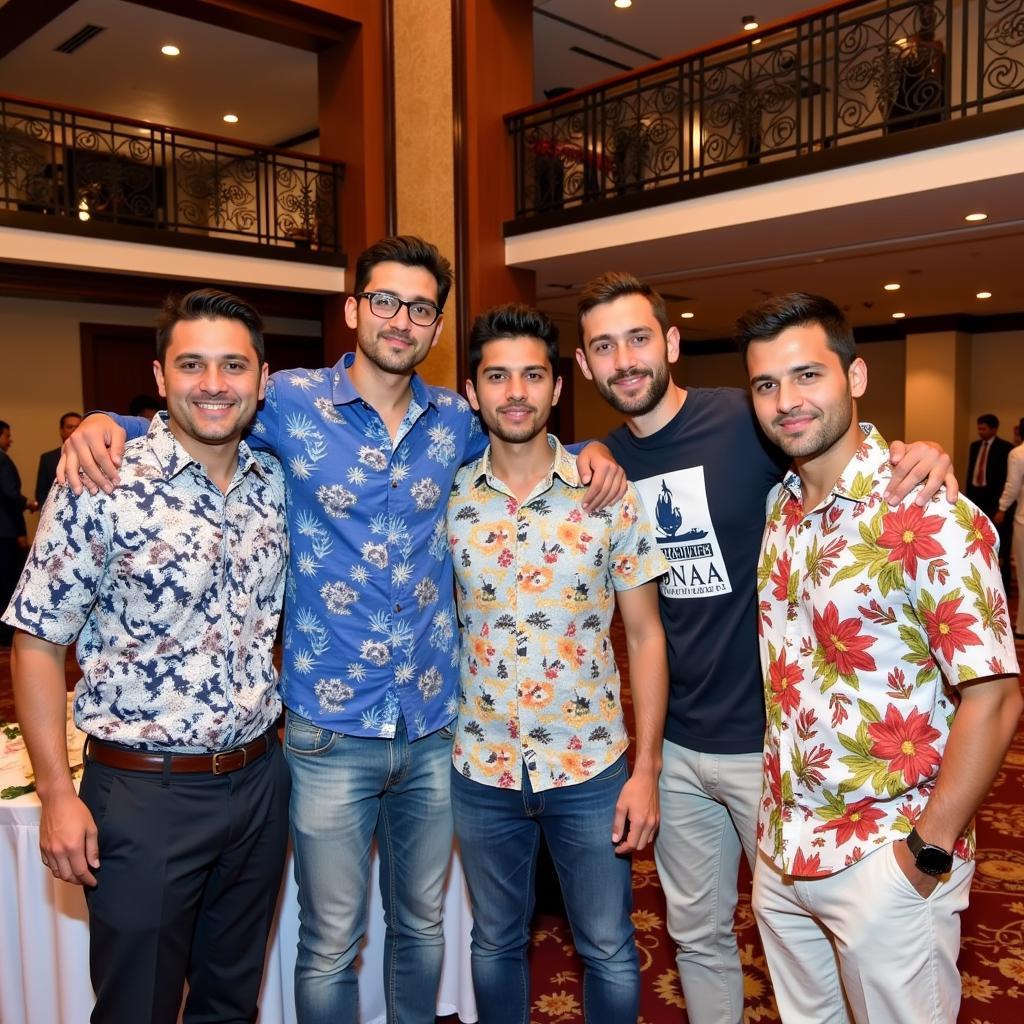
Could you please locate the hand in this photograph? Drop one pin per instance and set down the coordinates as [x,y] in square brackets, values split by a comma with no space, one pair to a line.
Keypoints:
[921,462]
[91,455]
[999,517]
[32,505]
[924,884]
[23,543]
[637,805]
[68,839]
[607,479]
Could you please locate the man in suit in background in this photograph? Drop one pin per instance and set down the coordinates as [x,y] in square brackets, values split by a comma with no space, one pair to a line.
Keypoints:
[13,535]
[48,460]
[986,477]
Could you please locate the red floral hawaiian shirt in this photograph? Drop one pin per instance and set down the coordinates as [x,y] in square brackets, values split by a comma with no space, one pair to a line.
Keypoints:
[869,617]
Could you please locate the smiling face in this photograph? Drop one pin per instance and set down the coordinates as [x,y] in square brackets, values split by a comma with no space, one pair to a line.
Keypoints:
[396,345]
[515,388]
[627,354]
[212,380]
[803,398]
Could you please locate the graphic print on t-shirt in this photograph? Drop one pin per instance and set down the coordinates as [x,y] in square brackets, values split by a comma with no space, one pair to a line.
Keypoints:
[678,506]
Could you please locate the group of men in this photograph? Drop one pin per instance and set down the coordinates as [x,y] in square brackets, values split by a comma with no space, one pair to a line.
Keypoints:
[447,664]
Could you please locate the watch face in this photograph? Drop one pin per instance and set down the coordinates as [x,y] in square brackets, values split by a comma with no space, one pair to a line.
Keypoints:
[934,861]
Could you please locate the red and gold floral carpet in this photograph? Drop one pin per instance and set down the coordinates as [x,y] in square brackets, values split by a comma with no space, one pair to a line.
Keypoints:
[992,948]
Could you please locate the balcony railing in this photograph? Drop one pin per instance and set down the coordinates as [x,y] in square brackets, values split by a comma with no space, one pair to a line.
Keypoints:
[837,76]
[99,174]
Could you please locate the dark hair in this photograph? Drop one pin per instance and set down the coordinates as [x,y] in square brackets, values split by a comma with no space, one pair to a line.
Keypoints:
[989,419]
[797,309]
[613,285]
[1020,427]
[77,416]
[410,251]
[207,304]
[140,402]
[511,320]
[4,425]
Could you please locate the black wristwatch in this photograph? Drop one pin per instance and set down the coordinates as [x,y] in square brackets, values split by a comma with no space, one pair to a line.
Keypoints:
[932,860]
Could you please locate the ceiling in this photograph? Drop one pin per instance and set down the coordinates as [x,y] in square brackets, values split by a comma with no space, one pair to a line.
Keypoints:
[649,31]
[847,253]
[122,71]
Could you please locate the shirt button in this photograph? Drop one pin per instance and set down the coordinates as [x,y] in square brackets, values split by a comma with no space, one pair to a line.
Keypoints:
[398,607]
[394,485]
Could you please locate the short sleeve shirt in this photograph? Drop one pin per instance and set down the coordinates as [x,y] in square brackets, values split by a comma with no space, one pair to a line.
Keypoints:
[173,590]
[869,614]
[536,585]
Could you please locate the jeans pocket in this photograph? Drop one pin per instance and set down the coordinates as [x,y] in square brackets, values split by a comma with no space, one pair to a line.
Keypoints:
[306,738]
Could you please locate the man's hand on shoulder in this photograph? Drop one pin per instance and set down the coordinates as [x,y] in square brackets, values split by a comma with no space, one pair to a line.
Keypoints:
[91,456]
[606,478]
[925,463]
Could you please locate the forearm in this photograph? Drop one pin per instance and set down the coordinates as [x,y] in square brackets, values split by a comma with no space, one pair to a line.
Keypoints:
[40,697]
[981,732]
[648,684]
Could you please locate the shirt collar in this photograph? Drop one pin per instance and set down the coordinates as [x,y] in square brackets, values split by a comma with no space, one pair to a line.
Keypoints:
[563,466]
[862,478]
[173,458]
[343,391]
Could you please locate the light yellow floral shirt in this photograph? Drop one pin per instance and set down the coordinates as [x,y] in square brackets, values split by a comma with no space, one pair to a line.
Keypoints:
[535,585]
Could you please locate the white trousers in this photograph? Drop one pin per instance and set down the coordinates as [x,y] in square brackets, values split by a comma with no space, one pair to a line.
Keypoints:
[1017,546]
[708,818]
[864,933]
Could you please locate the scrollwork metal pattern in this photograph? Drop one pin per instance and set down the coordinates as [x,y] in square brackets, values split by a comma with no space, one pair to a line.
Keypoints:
[833,78]
[56,161]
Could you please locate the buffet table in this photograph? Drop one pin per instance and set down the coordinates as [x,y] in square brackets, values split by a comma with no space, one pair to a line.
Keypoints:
[44,935]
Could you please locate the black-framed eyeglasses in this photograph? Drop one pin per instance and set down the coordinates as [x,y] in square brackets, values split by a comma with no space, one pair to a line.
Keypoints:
[385,305]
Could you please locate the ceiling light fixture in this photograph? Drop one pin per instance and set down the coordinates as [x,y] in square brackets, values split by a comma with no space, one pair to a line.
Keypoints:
[750,23]
[892,286]
[754,42]
[689,316]
[231,118]
[170,50]
[976,216]
[983,295]
[898,316]
[623,4]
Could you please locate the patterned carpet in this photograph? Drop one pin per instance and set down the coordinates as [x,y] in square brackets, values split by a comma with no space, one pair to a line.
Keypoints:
[991,962]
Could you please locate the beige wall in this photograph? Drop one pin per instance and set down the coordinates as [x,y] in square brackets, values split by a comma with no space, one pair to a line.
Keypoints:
[997,384]
[40,353]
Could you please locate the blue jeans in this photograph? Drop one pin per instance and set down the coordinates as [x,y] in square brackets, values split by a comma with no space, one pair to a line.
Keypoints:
[499,834]
[346,791]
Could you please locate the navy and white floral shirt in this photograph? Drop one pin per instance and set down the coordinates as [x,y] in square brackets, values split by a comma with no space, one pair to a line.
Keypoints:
[370,628]
[173,590]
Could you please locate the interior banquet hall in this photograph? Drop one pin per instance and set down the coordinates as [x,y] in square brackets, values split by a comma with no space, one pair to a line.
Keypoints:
[270,239]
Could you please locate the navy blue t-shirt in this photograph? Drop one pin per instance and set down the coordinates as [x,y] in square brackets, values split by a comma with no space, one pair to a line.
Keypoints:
[704,478]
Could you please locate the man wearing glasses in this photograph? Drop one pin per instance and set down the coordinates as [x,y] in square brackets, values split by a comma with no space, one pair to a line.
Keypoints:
[371,650]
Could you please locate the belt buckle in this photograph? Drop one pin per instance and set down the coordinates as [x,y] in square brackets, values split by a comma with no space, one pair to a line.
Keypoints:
[218,770]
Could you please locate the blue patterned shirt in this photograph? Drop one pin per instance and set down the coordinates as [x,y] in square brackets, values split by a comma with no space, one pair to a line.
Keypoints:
[370,627]
[174,591]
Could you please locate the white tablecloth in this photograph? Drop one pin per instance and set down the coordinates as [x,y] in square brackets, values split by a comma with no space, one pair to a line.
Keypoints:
[44,934]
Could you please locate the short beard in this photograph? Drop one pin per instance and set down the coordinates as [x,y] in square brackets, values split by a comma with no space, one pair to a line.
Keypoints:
[398,362]
[642,404]
[829,433]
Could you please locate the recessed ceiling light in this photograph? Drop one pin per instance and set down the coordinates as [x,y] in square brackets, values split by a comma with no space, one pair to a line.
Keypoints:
[976,216]
[623,3]
[898,316]
[689,316]
[902,42]
[170,50]
[750,23]
[892,286]
[754,42]
[983,295]
[231,118]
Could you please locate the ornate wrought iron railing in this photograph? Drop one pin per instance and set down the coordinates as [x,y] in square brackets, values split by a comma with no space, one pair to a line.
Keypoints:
[839,75]
[81,166]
